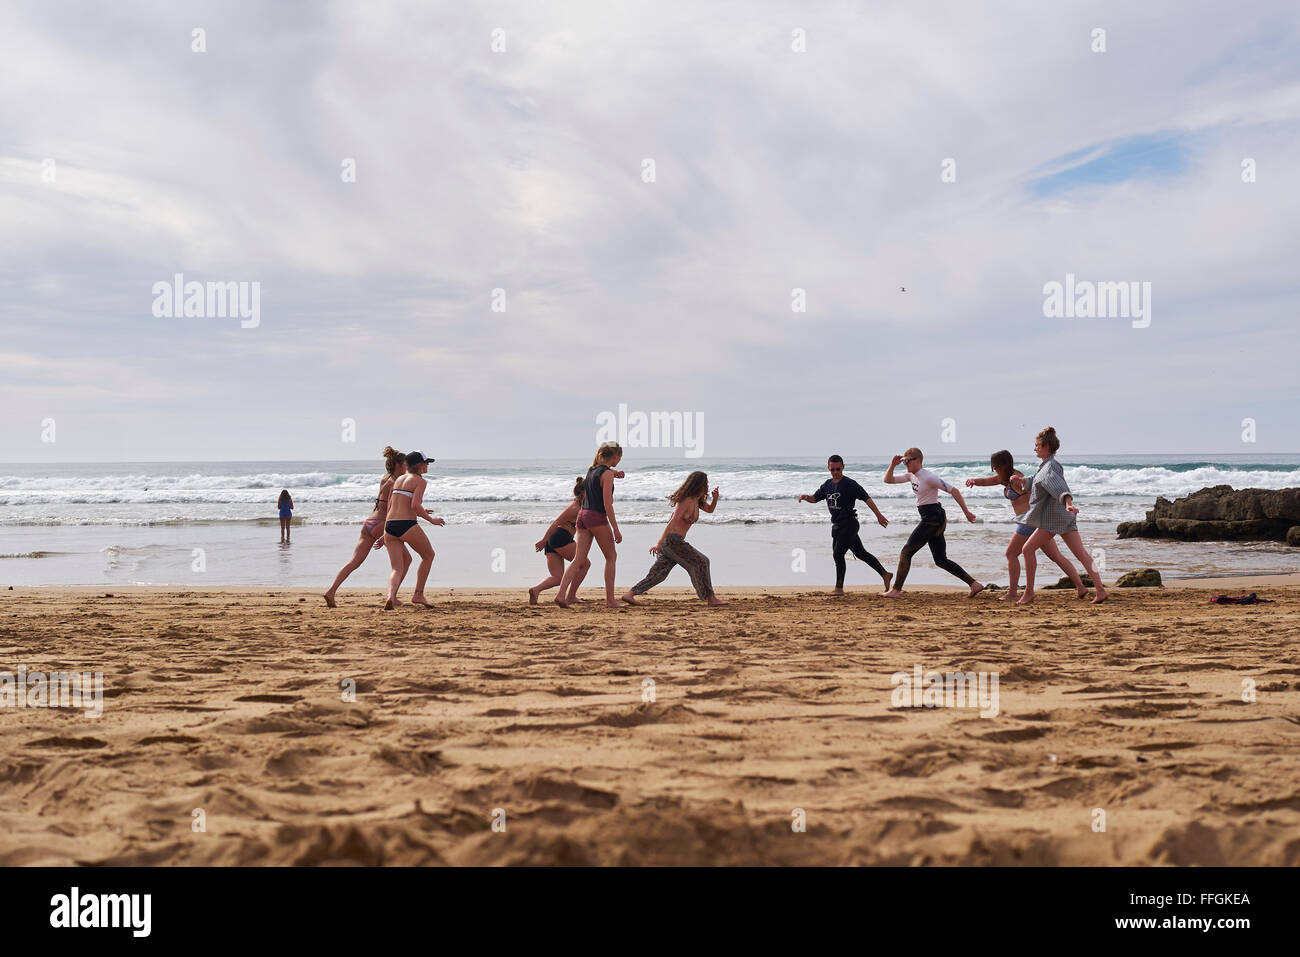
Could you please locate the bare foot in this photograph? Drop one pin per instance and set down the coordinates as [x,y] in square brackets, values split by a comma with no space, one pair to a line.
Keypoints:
[1026,599]
[329,600]
[715,601]
[630,599]
[975,589]
[888,580]
[837,591]
[532,596]
[1102,595]
[892,593]
[397,601]
[1009,596]
[559,600]
[419,599]
[388,605]
[612,604]
[1081,593]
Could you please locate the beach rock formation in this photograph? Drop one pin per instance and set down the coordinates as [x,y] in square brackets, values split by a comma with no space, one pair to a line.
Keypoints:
[1222,513]
[1142,578]
[1065,582]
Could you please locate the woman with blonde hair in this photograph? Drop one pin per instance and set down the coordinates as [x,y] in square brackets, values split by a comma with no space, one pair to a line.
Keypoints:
[1052,512]
[671,549]
[595,521]
[372,529]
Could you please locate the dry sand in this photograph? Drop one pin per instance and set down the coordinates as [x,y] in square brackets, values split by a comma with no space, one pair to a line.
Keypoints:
[229,701]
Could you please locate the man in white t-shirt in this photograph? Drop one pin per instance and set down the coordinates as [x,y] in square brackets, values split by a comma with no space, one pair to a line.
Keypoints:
[934,520]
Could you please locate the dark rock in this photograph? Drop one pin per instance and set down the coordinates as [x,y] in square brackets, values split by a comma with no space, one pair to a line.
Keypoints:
[1221,513]
[1293,536]
[1066,583]
[1142,578]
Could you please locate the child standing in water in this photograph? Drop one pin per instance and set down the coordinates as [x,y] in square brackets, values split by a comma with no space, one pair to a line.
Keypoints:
[1052,512]
[595,521]
[558,543]
[839,493]
[1015,491]
[671,549]
[934,521]
[286,515]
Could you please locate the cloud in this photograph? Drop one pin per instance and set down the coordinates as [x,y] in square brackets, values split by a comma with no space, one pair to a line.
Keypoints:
[522,171]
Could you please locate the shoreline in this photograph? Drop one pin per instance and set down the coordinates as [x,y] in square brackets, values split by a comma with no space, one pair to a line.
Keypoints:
[593,593]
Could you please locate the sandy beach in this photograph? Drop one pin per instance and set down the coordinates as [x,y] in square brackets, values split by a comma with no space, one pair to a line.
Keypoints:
[483,709]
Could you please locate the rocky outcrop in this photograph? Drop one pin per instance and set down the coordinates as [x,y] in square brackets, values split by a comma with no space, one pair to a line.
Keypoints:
[1223,513]
[1142,578]
[1066,583]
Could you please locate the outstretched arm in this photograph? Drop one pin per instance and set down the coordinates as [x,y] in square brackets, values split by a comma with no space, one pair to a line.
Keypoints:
[986,480]
[952,490]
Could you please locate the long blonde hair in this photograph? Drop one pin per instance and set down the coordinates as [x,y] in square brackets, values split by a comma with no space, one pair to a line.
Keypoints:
[607,451]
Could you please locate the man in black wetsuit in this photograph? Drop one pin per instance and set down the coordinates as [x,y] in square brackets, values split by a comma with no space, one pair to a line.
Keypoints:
[840,494]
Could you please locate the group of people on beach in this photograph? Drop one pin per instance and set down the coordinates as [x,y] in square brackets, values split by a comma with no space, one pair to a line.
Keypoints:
[1042,503]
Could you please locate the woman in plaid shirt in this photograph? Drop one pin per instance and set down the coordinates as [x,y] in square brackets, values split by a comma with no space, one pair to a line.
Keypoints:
[1052,512]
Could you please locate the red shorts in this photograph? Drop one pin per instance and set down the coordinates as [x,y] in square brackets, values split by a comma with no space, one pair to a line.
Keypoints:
[590,518]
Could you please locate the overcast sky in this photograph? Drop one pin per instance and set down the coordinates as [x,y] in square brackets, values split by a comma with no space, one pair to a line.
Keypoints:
[522,170]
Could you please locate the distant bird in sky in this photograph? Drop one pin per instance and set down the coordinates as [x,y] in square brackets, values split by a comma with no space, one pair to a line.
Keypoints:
[902,289]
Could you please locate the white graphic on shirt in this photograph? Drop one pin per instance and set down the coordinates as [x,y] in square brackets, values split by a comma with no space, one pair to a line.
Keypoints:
[833,499]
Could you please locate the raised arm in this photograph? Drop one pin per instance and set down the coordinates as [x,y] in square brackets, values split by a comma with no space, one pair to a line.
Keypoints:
[890,478]
[711,505]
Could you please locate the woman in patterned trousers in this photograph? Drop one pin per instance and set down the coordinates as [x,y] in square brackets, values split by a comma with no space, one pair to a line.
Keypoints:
[671,549]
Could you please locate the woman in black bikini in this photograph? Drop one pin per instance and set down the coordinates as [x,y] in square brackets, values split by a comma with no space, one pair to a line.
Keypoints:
[558,544]
[1015,491]
[372,529]
[405,507]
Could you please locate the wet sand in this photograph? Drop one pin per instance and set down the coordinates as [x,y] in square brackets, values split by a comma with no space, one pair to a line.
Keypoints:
[482,708]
